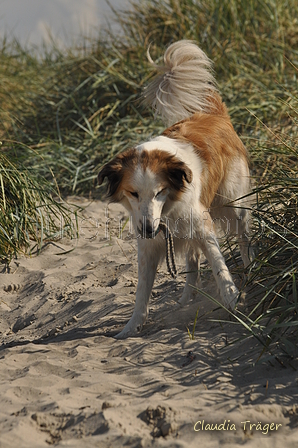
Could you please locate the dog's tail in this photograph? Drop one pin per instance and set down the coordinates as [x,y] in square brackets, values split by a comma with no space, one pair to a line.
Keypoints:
[184,84]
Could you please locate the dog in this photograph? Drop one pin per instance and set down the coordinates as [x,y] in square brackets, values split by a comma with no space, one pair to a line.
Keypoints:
[193,174]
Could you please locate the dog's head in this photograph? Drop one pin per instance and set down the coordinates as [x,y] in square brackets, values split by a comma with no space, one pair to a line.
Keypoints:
[147,183]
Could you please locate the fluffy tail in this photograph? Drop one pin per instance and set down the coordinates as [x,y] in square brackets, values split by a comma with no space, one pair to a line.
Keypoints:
[184,84]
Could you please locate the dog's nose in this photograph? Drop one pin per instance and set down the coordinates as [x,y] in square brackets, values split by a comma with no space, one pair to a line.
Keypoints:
[147,230]
[148,227]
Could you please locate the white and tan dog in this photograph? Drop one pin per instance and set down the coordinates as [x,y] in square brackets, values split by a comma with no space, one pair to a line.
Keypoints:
[188,177]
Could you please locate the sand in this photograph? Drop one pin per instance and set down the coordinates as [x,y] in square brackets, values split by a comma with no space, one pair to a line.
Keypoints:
[66,381]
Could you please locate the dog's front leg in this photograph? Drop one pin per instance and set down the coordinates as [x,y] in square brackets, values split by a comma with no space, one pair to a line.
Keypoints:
[148,258]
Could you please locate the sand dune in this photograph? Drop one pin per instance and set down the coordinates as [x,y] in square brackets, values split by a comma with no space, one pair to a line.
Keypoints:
[65,381]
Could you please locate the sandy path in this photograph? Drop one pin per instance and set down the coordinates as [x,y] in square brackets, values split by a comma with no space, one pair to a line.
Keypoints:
[65,381]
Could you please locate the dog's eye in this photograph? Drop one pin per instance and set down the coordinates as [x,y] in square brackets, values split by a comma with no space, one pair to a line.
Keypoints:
[159,193]
[134,194]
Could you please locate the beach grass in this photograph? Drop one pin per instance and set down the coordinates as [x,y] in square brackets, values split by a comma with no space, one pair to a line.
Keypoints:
[65,112]
[31,213]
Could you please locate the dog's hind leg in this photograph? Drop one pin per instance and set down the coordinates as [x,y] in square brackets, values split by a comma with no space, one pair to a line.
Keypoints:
[234,202]
[228,291]
[238,225]
[148,259]
[192,276]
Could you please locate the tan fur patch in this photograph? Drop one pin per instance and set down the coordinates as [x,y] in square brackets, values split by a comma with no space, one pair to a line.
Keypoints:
[215,142]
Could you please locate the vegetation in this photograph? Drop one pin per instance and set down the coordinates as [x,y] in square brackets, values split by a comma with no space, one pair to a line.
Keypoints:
[64,113]
[29,215]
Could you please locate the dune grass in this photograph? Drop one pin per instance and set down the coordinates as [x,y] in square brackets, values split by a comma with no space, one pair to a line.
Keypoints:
[31,215]
[64,113]
[82,104]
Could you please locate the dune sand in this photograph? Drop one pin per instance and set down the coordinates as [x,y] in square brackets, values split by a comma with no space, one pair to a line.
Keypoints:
[65,381]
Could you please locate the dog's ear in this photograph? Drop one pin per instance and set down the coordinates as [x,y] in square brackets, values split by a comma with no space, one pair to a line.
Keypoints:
[187,174]
[113,172]
[178,173]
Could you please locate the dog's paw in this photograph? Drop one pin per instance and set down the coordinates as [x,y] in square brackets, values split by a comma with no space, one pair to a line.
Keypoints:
[128,332]
[186,298]
[133,326]
[230,297]
[183,300]
[189,293]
